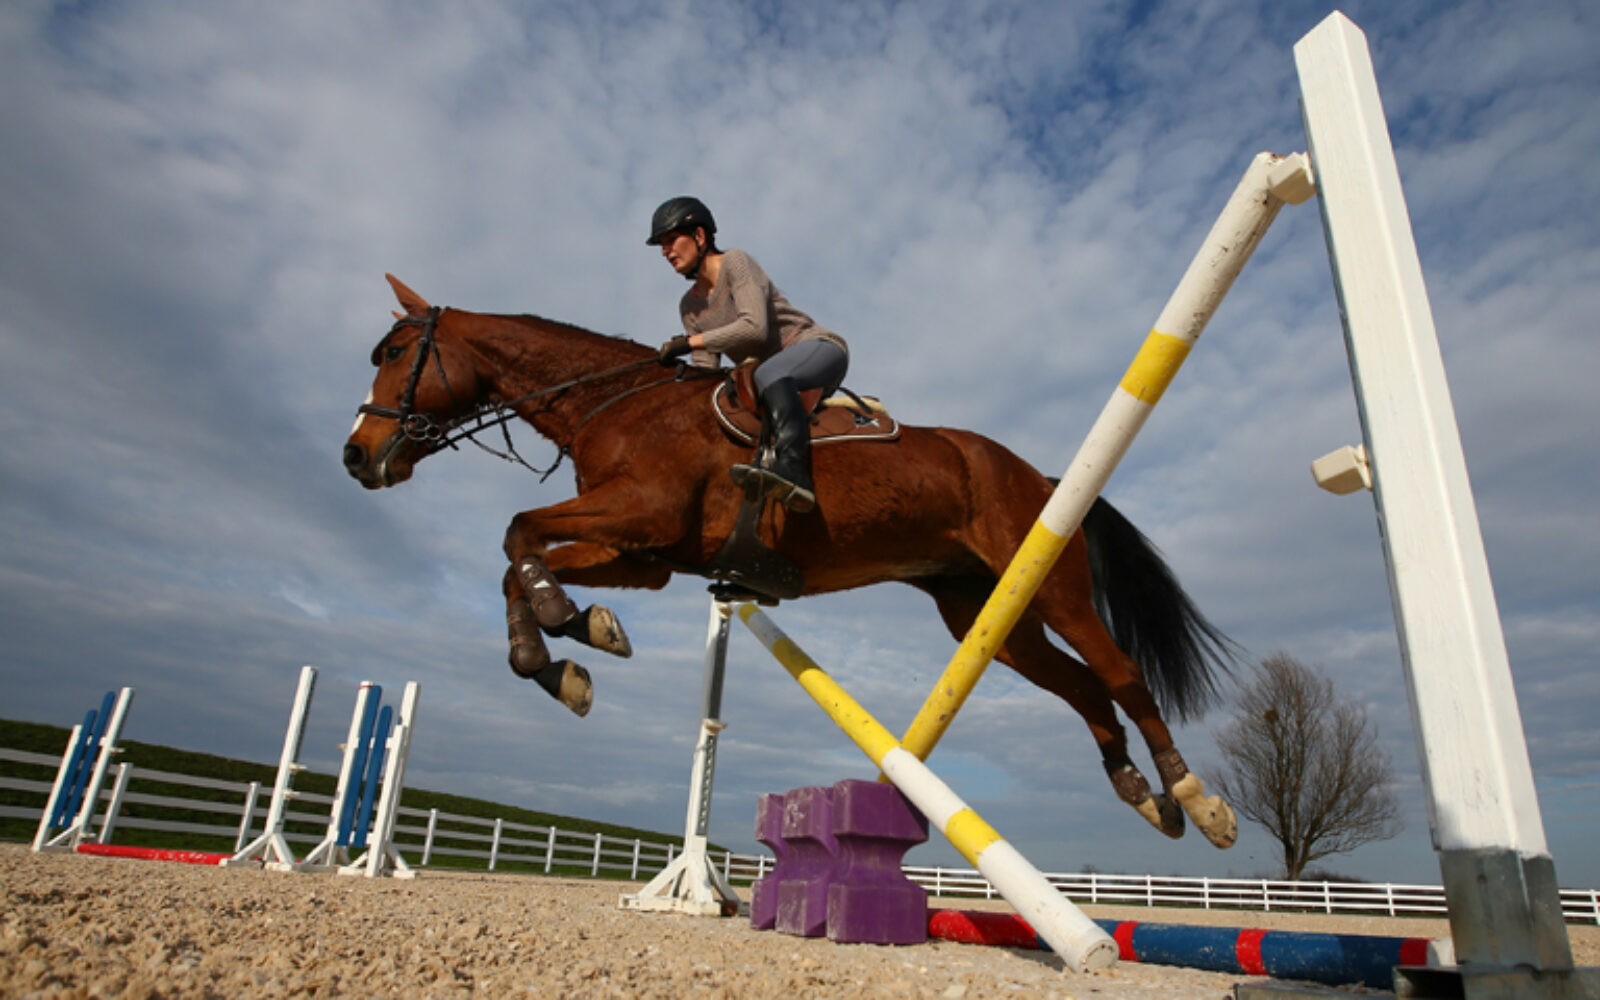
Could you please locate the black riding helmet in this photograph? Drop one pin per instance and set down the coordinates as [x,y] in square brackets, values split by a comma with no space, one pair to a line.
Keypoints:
[681,215]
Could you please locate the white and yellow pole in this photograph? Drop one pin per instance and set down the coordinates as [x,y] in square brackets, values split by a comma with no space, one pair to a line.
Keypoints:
[1269,183]
[1080,942]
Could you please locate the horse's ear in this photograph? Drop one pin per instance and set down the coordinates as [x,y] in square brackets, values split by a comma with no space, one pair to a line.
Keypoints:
[415,304]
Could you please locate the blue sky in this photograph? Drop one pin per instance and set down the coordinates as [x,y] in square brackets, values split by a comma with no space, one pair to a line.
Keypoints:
[991,201]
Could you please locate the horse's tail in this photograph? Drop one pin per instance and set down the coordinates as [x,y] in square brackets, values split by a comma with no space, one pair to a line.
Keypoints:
[1151,618]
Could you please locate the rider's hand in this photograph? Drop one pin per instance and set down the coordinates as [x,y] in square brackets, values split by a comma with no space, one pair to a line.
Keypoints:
[673,349]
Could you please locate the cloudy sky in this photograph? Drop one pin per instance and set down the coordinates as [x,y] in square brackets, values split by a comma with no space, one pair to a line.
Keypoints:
[990,200]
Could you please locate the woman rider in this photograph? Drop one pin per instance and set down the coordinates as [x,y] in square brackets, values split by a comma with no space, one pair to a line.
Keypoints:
[734,309]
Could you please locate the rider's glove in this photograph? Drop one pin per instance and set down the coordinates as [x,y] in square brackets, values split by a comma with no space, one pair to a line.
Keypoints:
[673,349]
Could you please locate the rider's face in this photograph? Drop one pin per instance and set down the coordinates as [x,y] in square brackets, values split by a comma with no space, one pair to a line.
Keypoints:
[681,250]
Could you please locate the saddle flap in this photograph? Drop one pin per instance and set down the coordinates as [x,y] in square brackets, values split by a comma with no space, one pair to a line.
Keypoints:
[847,418]
[743,378]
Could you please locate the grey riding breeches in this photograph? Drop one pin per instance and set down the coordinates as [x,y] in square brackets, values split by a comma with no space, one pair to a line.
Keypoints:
[813,364]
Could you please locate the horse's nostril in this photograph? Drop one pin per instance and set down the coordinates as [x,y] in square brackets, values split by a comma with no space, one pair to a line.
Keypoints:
[355,456]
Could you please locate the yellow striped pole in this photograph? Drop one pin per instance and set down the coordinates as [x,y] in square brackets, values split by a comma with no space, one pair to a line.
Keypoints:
[1080,942]
[1266,186]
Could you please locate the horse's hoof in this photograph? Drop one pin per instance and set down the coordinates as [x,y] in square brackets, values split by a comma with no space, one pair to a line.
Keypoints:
[1172,823]
[599,628]
[1163,814]
[575,690]
[567,683]
[1213,816]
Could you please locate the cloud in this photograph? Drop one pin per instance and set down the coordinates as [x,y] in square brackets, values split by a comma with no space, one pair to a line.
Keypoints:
[991,201]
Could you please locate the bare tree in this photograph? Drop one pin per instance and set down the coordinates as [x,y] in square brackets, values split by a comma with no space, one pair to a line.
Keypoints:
[1306,765]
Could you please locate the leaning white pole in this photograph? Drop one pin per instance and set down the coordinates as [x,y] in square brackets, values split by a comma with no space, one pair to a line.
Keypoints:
[58,790]
[108,748]
[271,847]
[328,853]
[1080,942]
[383,857]
[1269,183]
[1498,876]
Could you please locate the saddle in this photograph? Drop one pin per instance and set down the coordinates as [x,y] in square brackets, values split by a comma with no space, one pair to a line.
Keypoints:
[744,565]
[836,418]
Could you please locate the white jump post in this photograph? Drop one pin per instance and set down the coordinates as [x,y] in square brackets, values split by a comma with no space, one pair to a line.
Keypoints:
[1499,879]
[94,759]
[382,858]
[332,853]
[271,848]
[691,883]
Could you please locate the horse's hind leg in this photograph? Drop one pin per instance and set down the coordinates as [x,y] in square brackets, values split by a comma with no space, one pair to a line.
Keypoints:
[1066,604]
[1029,652]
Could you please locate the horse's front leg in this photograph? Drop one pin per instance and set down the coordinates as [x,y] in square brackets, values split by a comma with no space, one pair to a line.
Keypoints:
[595,626]
[538,606]
[563,680]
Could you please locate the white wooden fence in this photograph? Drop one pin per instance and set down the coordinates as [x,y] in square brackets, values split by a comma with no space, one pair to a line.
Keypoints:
[431,835]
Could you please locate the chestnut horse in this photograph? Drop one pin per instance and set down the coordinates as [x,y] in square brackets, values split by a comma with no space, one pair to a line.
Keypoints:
[940,509]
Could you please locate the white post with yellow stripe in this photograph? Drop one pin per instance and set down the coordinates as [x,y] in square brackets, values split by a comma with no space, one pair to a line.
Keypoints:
[1080,942]
[1269,183]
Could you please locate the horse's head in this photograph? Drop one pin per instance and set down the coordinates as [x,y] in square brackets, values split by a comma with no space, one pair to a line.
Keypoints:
[426,383]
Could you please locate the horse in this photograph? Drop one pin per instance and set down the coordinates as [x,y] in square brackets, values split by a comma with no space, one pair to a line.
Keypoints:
[938,508]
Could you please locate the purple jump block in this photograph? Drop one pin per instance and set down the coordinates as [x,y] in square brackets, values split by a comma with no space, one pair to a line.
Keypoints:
[871,900]
[803,892]
[764,893]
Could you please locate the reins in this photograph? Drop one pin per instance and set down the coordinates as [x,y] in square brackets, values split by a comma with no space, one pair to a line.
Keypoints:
[436,436]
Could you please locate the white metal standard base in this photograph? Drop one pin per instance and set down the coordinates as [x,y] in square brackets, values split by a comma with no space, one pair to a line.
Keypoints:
[269,850]
[691,883]
[387,862]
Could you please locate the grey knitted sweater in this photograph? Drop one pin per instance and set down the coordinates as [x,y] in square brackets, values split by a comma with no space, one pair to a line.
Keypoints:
[746,316]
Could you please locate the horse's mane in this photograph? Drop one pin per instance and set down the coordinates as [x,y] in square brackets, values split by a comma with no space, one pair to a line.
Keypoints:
[531,318]
[526,319]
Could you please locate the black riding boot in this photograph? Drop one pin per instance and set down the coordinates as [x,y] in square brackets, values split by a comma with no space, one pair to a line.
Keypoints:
[789,479]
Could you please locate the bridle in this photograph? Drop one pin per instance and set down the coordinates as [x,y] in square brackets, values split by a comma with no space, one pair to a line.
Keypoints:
[435,436]
[418,427]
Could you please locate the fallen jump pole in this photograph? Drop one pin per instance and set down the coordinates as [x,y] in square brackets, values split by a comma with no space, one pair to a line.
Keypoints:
[154,854]
[1270,182]
[1332,959]
[1082,945]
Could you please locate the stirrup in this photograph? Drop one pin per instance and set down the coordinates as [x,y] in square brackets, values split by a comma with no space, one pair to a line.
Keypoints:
[792,495]
[749,479]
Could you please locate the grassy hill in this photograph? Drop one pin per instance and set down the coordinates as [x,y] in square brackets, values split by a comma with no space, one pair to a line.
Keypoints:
[46,739]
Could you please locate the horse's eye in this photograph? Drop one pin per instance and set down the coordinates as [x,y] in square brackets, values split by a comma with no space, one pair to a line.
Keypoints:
[394,353]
